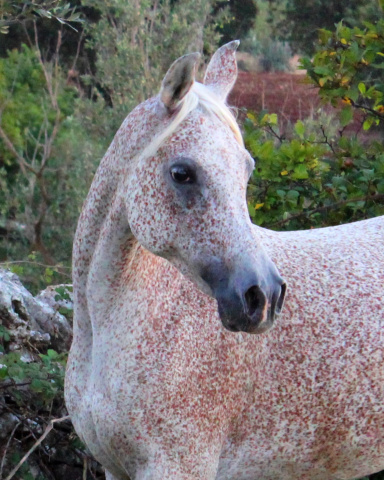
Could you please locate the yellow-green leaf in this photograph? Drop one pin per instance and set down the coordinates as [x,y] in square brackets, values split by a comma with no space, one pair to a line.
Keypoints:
[362,88]
[300,128]
[273,119]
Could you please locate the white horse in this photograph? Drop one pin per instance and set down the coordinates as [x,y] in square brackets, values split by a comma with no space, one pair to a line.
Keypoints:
[165,257]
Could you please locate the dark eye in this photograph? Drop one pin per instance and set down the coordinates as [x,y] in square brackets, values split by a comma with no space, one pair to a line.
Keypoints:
[182,174]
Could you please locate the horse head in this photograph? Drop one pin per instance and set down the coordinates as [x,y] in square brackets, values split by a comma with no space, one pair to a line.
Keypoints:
[186,194]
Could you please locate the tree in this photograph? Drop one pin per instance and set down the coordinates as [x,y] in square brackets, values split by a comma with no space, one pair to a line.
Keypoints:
[242,14]
[42,151]
[14,13]
[303,18]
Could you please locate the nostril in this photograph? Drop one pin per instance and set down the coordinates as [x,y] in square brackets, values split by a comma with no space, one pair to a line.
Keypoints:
[280,300]
[254,299]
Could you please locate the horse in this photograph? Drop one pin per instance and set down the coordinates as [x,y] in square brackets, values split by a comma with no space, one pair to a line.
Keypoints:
[185,364]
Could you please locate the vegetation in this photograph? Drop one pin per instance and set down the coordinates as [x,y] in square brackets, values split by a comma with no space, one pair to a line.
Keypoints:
[261,40]
[12,13]
[134,44]
[298,21]
[326,171]
[42,183]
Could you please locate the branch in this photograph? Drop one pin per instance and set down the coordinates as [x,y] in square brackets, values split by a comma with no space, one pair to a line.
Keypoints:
[324,208]
[14,384]
[24,166]
[58,45]
[85,468]
[368,109]
[326,141]
[35,445]
[77,54]
[270,130]
[47,75]
[57,268]
[49,141]
[7,446]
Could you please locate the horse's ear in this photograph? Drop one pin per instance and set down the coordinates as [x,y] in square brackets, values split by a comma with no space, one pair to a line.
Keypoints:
[178,80]
[221,72]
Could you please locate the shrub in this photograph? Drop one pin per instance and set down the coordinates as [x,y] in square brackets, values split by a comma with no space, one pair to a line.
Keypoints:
[317,175]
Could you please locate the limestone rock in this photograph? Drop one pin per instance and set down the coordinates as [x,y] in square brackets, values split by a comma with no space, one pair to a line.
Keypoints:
[31,320]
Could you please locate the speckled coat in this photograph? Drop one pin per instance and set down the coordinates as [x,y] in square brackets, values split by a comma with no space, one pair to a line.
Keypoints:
[155,385]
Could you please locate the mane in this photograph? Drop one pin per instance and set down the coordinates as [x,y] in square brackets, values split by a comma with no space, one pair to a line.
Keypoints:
[203,96]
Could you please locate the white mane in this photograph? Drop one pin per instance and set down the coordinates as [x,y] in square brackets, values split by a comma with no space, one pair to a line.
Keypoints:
[198,95]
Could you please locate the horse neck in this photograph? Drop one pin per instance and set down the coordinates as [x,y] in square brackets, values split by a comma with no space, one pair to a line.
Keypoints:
[102,237]
[103,226]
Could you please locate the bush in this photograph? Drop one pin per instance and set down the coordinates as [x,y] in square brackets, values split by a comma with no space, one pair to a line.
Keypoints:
[319,174]
[313,176]
[275,56]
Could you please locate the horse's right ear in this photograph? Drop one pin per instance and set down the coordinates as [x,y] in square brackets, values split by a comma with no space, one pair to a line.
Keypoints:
[178,80]
[221,72]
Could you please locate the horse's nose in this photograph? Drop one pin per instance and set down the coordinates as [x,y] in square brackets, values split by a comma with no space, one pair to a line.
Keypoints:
[249,296]
[253,309]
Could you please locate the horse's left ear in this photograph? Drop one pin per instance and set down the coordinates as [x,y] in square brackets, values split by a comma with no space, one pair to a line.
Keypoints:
[178,80]
[221,72]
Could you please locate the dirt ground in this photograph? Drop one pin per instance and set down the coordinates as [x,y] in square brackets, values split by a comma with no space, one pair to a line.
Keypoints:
[286,94]
[289,95]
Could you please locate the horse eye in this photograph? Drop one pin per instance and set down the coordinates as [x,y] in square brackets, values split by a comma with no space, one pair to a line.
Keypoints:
[182,174]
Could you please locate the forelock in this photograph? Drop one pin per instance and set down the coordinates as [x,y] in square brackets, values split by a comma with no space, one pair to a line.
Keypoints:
[198,95]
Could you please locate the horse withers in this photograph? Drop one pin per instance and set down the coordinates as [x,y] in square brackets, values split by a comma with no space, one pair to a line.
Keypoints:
[164,380]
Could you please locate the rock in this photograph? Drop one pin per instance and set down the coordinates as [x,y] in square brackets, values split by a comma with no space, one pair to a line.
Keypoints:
[30,320]
[58,297]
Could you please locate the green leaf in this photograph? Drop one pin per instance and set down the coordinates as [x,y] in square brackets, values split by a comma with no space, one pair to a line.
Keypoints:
[346,115]
[380,187]
[300,129]
[323,70]
[251,210]
[300,172]
[37,385]
[3,372]
[273,119]
[362,88]
[52,354]
[293,194]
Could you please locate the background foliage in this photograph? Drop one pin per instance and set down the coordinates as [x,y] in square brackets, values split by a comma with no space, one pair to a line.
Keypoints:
[326,170]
